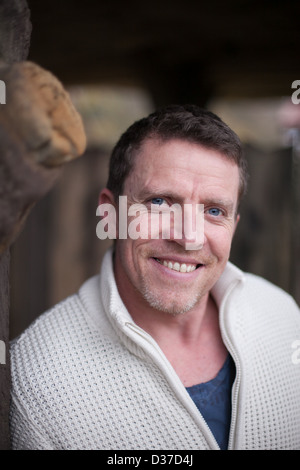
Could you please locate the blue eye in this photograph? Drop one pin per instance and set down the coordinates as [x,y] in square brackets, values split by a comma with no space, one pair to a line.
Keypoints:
[157,201]
[214,211]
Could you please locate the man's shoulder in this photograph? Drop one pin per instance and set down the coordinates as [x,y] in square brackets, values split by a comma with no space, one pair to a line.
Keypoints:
[57,317]
[264,288]
[61,358]
[67,327]
[265,301]
[251,289]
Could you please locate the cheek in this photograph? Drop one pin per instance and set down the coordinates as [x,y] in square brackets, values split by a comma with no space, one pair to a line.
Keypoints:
[131,254]
[139,226]
[218,239]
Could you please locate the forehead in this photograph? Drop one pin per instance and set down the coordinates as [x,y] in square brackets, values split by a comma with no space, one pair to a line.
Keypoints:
[182,167]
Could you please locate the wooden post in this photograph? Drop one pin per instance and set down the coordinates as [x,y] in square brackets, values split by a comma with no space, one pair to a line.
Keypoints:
[40,130]
[4,359]
[15,30]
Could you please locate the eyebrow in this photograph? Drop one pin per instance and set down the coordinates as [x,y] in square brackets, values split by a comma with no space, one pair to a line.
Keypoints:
[226,203]
[146,193]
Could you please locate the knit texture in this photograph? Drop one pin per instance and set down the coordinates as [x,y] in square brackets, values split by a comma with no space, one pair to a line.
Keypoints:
[84,376]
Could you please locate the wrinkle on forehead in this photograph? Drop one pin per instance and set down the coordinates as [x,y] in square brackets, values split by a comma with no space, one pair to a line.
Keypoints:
[182,167]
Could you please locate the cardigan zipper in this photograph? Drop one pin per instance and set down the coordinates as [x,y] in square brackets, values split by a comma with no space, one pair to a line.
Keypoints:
[237,382]
[235,395]
[167,368]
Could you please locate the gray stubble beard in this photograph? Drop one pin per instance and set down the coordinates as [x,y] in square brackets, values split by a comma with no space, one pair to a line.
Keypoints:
[174,309]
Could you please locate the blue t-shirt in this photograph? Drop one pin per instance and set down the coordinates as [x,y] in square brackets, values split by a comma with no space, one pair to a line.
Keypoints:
[213,400]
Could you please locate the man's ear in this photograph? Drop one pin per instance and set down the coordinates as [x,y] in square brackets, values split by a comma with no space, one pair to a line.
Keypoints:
[106,197]
[237,219]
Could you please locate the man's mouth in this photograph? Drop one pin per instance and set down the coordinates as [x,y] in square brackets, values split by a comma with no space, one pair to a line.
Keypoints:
[176,266]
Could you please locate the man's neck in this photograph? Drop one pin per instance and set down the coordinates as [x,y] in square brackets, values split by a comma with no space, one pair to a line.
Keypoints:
[163,326]
[191,341]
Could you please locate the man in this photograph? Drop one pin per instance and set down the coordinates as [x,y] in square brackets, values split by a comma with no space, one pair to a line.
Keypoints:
[169,347]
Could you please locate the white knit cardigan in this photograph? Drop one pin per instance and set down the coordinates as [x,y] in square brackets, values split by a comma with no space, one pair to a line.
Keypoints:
[85,376]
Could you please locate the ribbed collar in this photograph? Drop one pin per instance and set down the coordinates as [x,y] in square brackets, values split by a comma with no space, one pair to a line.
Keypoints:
[112,302]
[115,308]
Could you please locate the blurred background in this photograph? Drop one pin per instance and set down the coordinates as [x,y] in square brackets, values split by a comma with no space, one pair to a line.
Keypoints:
[120,60]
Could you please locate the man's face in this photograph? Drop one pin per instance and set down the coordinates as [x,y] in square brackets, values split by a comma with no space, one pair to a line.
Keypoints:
[162,273]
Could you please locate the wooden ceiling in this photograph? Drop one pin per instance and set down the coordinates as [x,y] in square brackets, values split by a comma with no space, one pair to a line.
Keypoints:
[179,50]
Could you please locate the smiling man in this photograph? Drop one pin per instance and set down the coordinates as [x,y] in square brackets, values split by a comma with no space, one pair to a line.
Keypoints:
[169,347]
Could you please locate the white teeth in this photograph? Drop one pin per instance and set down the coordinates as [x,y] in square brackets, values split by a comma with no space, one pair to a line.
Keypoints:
[183,268]
[176,266]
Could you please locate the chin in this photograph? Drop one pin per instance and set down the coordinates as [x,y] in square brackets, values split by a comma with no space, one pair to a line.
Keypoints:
[173,307]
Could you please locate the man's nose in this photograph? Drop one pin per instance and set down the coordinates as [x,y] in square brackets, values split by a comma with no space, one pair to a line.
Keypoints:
[190,233]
